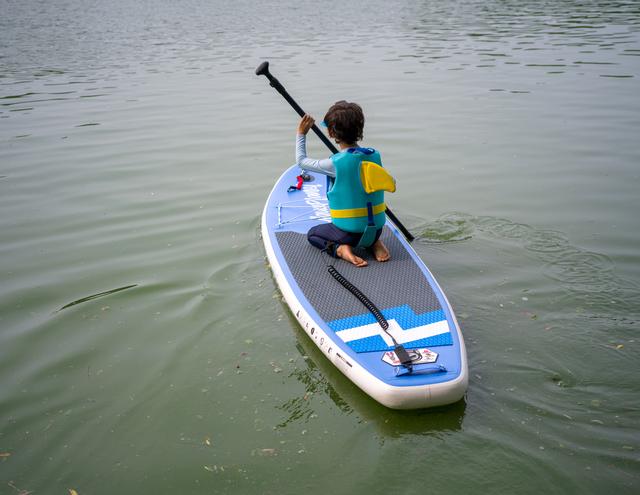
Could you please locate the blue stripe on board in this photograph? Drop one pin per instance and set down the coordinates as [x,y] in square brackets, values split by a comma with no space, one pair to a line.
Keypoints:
[377,343]
[404,315]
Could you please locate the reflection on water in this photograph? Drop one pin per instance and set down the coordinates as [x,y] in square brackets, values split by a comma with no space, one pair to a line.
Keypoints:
[322,380]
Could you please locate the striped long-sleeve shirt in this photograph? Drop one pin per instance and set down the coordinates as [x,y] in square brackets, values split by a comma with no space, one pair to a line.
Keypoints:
[324,166]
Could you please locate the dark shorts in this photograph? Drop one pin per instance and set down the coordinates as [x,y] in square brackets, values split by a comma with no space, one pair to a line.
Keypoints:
[327,235]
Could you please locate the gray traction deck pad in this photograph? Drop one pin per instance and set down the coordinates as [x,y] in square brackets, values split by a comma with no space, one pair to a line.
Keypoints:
[393,283]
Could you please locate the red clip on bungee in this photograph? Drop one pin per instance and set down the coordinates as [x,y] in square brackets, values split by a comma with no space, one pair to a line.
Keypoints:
[298,186]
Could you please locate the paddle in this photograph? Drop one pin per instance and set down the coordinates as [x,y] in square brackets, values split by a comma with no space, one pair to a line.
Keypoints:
[263,70]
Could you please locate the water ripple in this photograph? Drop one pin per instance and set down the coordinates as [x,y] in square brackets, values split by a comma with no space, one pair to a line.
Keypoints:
[591,277]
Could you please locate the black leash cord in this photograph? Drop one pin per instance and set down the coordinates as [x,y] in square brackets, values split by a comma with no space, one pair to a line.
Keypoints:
[399,349]
[362,298]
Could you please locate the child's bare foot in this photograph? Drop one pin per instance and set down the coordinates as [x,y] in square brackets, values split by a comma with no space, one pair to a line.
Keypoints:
[380,251]
[344,251]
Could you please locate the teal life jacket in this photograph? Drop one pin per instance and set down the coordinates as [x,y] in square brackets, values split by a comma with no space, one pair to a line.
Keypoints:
[352,208]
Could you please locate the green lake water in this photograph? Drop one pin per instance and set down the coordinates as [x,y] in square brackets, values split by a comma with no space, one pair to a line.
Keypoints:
[144,346]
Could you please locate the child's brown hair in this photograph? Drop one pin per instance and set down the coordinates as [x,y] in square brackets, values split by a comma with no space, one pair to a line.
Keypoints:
[345,122]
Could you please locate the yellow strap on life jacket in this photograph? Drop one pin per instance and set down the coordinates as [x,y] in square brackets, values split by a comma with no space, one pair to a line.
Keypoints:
[357,212]
[376,178]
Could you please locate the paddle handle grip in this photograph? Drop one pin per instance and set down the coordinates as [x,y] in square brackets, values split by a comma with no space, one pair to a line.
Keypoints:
[263,70]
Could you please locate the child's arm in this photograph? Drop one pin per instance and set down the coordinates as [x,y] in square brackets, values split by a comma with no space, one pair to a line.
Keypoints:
[324,166]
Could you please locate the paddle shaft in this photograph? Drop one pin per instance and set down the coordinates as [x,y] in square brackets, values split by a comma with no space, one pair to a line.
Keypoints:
[274,83]
[263,70]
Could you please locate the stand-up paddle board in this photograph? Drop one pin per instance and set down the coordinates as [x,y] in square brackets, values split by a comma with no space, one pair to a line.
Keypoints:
[416,310]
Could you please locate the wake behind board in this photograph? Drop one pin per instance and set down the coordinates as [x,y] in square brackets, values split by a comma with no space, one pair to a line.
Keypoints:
[419,315]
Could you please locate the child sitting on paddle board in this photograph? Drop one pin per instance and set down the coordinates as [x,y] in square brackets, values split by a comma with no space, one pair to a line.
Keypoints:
[356,199]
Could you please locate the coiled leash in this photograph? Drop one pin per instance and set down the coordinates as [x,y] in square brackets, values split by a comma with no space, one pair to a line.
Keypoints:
[399,349]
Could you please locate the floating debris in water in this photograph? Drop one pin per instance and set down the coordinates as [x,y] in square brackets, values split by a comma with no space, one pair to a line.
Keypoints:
[95,296]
